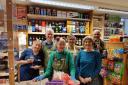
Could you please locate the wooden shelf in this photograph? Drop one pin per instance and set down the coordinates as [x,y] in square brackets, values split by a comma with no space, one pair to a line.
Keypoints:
[80,34]
[61,33]
[35,16]
[99,28]
[36,33]
[40,33]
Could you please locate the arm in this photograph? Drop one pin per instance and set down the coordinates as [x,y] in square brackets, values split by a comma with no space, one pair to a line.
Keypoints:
[97,64]
[46,56]
[22,59]
[49,66]
[78,66]
[71,66]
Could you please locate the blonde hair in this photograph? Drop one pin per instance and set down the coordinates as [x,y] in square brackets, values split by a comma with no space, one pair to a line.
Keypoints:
[61,40]
[71,36]
[37,41]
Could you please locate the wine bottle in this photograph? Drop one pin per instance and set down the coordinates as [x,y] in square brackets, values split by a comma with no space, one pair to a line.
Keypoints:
[30,41]
[33,25]
[36,26]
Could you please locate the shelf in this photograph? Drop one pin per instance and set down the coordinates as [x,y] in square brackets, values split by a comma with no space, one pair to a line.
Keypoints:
[40,33]
[99,28]
[35,16]
[36,33]
[80,34]
[61,33]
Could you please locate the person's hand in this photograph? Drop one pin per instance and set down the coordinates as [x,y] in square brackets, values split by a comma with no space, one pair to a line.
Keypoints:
[73,78]
[30,60]
[82,80]
[36,67]
[38,78]
[88,79]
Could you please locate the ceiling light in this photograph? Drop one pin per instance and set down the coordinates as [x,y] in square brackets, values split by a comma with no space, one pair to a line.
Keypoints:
[107,10]
[64,4]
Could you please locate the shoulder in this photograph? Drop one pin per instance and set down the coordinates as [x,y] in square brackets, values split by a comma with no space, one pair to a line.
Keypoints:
[44,42]
[28,50]
[96,53]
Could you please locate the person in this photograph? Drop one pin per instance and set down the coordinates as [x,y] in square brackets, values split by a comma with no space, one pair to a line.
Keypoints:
[31,60]
[88,63]
[100,47]
[49,42]
[71,45]
[98,43]
[60,60]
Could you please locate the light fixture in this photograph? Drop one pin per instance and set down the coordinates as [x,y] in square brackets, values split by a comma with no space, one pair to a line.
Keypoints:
[63,4]
[114,11]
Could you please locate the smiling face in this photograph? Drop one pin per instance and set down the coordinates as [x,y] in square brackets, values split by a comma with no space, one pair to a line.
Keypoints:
[49,36]
[97,34]
[36,46]
[71,41]
[88,43]
[61,45]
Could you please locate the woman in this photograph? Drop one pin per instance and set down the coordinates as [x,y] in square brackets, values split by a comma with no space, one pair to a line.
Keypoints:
[31,61]
[60,60]
[71,45]
[49,42]
[88,63]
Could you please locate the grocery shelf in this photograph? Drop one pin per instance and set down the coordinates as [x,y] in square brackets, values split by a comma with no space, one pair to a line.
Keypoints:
[35,16]
[39,33]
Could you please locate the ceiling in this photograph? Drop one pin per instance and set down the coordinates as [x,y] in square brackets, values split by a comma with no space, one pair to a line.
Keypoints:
[123,3]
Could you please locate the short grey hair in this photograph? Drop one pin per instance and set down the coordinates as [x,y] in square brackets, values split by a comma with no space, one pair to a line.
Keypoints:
[96,31]
[49,30]
[87,38]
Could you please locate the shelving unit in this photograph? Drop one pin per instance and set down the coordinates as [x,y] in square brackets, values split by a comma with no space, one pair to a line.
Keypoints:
[63,19]
[55,18]
[111,55]
[98,24]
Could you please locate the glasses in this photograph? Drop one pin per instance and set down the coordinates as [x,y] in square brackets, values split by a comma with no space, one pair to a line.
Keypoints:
[96,34]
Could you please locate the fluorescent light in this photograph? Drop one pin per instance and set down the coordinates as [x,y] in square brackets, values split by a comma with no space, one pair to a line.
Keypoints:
[64,4]
[112,11]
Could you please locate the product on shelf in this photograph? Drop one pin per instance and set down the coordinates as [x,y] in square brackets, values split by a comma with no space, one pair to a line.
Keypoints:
[111,65]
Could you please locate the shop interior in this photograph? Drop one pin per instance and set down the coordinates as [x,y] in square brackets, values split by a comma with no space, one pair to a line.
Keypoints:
[24,21]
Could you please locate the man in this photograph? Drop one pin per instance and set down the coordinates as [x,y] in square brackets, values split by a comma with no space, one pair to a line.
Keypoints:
[100,47]
[98,43]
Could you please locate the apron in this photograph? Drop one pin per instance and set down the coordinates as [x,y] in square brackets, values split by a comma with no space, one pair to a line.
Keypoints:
[59,65]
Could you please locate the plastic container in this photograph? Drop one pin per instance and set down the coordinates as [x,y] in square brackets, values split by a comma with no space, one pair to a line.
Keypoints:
[55,82]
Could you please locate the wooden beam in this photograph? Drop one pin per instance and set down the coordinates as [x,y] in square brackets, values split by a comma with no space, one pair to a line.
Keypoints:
[10,42]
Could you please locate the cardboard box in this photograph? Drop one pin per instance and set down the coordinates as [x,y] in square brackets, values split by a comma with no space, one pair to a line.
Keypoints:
[63,14]
[59,13]
[72,14]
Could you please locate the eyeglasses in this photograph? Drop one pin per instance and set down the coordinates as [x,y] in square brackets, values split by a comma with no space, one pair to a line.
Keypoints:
[96,34]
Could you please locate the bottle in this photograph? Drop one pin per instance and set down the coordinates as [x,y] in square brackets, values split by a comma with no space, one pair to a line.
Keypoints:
[40,27]
[60,27]
[63,28]
[82,28]
[31,10]
[53,26]
[43,24]
[44,11]
[30,41]
[48,12]
[37,10]
[33,25]
[80,42]
[54,12]
[57,27]
[36,26]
